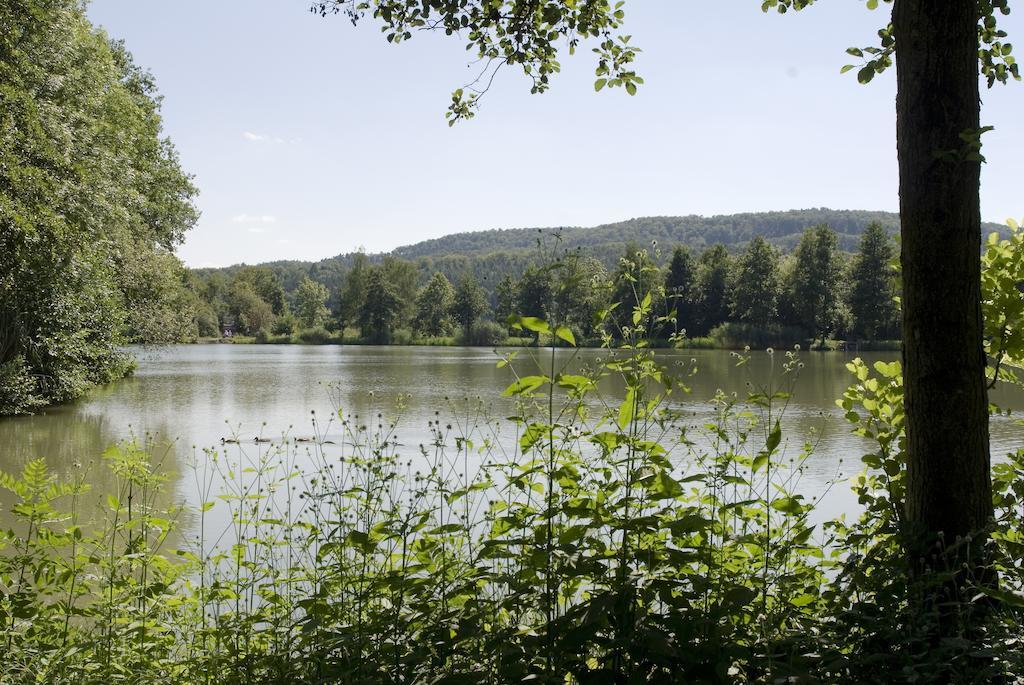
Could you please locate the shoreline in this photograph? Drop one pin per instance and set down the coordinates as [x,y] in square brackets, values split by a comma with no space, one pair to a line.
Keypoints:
[851,347]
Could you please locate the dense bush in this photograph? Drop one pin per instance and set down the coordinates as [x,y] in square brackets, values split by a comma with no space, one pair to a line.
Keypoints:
[17,388]
[736,336]
[92,204]
[484,334]
[285,325]
[314,336]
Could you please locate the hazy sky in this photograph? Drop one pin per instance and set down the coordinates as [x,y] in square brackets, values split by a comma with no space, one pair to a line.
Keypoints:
[309,137]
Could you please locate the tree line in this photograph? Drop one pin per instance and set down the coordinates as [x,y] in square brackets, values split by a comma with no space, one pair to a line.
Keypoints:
[816,291]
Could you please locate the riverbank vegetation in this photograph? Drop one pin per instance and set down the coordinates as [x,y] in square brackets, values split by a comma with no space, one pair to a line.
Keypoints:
[92,204]
[585,538]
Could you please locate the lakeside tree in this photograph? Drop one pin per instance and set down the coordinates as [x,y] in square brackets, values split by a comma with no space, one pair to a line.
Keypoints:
[164,309]
[754,293]
[939,48]
[505,299]
[815,282]
[711,300]
[405,277]
[93,203]
[679,280]
[635,277]
[266,284]
[380,307]
[535,292]
[470,303]
[311,303]
[353,291]
[247,311]
[578,293]
[434,304]
[872,289]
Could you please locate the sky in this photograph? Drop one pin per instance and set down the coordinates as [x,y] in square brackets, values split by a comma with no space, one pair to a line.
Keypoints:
[309,137]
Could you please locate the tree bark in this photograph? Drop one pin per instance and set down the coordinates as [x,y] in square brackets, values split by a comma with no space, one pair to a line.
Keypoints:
[948,474]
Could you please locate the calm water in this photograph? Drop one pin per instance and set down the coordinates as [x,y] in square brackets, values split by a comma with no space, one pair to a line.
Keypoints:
[189,397]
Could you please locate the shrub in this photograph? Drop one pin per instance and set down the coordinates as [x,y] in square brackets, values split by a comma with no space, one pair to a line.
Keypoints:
[484,334]
[401,336]
[284,325]
[18,389]
[736,336]
[314,336]
[207,325]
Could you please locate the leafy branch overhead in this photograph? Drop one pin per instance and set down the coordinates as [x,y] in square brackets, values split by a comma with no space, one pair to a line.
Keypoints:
[508,33]
[527,33]
[995,56]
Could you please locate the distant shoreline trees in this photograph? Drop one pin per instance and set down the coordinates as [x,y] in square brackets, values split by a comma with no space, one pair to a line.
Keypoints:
[759,294]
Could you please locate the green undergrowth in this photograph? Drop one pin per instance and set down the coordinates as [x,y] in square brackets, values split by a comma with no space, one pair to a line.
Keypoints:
[581,538]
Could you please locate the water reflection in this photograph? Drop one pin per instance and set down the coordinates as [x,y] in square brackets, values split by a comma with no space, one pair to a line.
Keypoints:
[189,397]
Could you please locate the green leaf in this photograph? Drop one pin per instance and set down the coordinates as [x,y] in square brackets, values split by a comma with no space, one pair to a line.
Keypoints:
[889,370]
[599,84]
[802,600]
[627,410]
[760,461]
[608,441]
[774,438]
[525,385]
[665,487]
[358,538]
[533,433]
[532,323]
[788,505]
[1007,597]
[573,382]
[566,335]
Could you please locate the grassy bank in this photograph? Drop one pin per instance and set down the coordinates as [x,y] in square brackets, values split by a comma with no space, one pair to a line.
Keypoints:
[724,337]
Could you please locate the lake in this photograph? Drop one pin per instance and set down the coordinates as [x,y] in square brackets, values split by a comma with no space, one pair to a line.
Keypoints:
[188,398]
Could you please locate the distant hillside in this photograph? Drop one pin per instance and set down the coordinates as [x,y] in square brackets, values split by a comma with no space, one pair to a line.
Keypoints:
[493,253]
[732,230]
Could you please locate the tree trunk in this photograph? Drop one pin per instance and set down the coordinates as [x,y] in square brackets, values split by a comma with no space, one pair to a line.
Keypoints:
[948,480]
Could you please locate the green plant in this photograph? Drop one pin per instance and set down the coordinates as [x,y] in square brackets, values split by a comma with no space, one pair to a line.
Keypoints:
[314,336]
[484,334]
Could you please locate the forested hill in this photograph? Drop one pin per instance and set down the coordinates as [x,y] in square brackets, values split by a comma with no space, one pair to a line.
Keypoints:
[783,229]
[459,250]
[492,254]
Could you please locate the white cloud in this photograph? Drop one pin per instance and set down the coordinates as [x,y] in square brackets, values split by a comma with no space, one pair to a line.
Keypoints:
[264,138]
[250,219]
